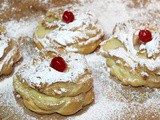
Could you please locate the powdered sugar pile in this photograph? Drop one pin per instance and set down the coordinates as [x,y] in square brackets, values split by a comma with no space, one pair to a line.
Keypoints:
[18,29]
[108,13]
[112,100]
[40,72]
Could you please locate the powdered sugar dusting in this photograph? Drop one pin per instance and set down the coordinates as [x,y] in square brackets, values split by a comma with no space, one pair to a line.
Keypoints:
[4,44]
[40,72]
[6,57]
[82,31]
[126,33]
[153,47]
[125,56]
[112,100]
[106,10]
[18,29]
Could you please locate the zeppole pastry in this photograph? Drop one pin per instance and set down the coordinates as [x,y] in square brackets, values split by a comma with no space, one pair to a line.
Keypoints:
[74,30]
[133,53]
[9,53]
[61,85]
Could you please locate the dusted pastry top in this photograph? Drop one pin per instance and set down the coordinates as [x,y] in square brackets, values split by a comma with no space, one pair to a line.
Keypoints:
[54,31]
[4,42]
[9,53]
[135,52]
[38,71]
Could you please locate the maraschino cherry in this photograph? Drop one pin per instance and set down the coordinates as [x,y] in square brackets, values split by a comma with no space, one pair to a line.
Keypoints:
[68,17]
[58,64]
[145,36]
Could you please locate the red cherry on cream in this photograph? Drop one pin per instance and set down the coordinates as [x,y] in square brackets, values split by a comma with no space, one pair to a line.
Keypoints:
[68,17]
[58,64]
[145,36]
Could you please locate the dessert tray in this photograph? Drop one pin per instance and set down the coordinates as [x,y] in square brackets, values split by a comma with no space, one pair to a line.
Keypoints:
[112,100]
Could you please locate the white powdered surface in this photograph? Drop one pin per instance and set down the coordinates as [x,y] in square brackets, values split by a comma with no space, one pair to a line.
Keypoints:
[37,73]
[126,33]
[4,44]
[113,101]
[84,28]
[17,29]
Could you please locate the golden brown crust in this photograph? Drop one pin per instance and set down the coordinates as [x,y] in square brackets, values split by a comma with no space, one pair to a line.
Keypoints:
[43,104]
[83,84]
[127,77]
